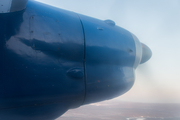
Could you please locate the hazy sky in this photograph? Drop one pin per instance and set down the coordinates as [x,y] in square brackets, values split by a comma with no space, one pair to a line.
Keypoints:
[157,24]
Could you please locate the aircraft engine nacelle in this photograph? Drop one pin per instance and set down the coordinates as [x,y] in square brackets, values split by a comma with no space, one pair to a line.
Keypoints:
[53,60]
[111,56]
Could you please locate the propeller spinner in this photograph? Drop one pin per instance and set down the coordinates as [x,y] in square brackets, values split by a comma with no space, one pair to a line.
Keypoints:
[146,53]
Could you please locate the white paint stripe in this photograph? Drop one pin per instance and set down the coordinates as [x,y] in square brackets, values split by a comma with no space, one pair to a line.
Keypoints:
[5,6]
[138,51]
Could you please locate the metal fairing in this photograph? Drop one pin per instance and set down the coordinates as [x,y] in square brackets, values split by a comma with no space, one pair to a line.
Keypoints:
[53,60]
[110,55]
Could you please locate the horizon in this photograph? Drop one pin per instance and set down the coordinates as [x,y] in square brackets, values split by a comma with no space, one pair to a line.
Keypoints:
[124,111]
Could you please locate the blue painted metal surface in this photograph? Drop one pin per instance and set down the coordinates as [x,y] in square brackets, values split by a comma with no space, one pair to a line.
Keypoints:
[110,56]
[53,60]
[38,47]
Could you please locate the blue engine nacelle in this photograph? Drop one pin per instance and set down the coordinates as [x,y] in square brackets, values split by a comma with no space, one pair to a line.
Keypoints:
[110,59]
[53,60]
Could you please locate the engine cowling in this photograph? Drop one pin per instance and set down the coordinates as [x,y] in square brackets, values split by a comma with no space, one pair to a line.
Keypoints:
[111,55]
